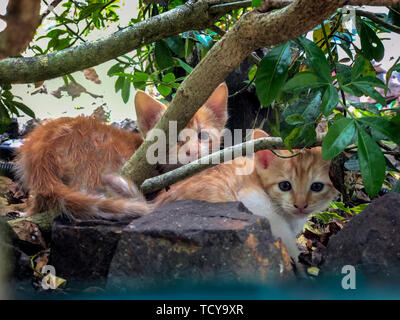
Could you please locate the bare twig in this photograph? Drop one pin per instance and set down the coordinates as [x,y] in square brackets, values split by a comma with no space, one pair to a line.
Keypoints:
[50,8]
[169,178]
[373,17]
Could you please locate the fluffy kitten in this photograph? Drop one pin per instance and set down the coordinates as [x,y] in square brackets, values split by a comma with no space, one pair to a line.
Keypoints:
[62,162]
[285,191]
[206,126]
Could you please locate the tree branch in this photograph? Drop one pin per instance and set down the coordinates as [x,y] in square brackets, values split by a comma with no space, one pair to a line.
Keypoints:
[253,31]
[194,15]
[169,178]
[50,8]
[373,17]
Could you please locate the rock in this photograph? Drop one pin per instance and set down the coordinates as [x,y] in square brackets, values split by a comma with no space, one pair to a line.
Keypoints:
[199,241]
[127,124]
[12,129]
[29,126]
[82,251]
[370,242]
[14,263]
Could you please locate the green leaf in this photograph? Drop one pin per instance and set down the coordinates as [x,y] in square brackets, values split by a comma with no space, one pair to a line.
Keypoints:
[139,76]
[184,65]
[371,45]
[5,119]
[317,59]
[115,69]
[330,99]
[25,109]
[383,125]
[371,81]
[272,73]
[339,136]
[370,107]
[295,119]
[255,3]
[288,141]
[163,55]
[369,69]
[169,77]
[119,83]
[308,107]
[318,35]
[307,135]
[126,90]
[252,72]
[370,91]
[358,68]
[164,90]
[372,163]
[177,45]
[303,81]
[189,45]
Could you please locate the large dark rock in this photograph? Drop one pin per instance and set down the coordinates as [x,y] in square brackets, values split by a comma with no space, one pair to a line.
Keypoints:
[81,251]
[370,242]
[199,241]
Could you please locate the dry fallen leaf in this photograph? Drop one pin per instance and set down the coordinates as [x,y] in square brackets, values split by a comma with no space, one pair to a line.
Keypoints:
[73,89]
[29,231]
[314,271]
[91,75]
[41,261]
[39,84]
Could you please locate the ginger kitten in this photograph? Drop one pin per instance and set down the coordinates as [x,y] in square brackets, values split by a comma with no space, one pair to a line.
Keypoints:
[285,191]
[204,129]
[62,161]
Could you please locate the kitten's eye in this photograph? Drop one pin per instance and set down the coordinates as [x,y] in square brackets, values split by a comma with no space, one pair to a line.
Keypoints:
[317,186]
[203,135]
[285,185]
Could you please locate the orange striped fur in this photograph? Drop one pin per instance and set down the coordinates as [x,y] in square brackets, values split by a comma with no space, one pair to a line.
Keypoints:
[62,162]
[287,211]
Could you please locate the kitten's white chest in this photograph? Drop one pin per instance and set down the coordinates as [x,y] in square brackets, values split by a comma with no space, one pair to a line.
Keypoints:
[259,203]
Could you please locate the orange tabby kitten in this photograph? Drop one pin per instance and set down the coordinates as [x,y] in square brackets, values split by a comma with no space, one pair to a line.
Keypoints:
[62,161]
[285,191]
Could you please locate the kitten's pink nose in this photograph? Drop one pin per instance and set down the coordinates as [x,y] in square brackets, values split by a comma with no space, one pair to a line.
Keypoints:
[301,206]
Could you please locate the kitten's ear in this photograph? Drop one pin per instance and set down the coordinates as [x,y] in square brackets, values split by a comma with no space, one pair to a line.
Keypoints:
[263,157]
[218,102]
[148,111]
[258,133]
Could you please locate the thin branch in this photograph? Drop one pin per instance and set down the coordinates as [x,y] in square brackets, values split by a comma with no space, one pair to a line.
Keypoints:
[251,32]
[373,17]
[169,178]
[193,15]
[50,8]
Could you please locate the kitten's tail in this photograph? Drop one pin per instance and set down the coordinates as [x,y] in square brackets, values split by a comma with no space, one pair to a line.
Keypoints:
[84,206]
[51,193]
